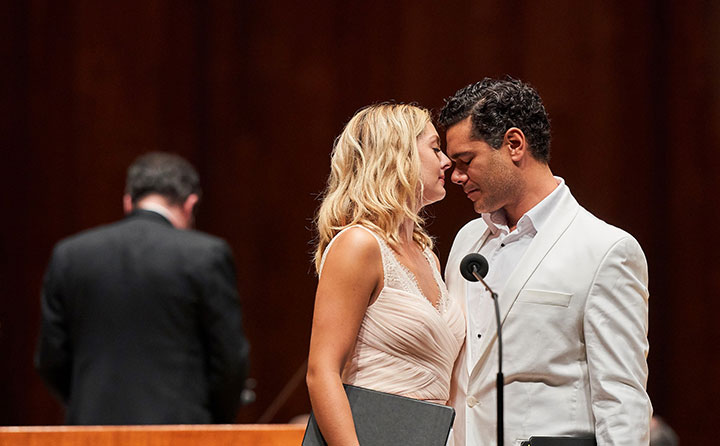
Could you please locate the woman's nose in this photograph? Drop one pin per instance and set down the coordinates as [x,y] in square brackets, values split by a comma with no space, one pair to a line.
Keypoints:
[446,163]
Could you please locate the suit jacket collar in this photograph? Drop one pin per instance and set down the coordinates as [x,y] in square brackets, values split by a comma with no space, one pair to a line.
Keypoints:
[556,224]
[146,214]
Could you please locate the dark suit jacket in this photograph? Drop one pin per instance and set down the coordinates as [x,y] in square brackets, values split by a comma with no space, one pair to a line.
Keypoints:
[141,324]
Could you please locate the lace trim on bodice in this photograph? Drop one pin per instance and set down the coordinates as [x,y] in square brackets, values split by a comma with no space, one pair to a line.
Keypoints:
[398,276]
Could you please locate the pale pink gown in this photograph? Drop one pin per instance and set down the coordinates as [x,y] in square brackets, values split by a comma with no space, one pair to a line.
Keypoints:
[406,346]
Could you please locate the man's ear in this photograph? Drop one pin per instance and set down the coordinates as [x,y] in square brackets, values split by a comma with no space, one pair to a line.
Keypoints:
[189,204]
[516,142]
[127,203]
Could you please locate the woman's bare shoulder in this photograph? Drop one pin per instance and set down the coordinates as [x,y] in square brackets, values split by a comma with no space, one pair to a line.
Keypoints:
[357,244]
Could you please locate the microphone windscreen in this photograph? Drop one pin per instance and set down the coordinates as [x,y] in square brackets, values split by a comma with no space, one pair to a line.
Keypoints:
[473,262]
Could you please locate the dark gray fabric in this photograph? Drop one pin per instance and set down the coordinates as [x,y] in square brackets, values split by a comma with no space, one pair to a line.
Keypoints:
[141,324]
[385,419]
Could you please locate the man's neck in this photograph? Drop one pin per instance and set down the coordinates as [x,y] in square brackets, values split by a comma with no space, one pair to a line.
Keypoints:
[539,185]
[160,205]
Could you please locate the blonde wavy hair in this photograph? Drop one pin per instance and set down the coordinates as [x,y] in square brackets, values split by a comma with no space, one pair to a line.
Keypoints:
[375,178]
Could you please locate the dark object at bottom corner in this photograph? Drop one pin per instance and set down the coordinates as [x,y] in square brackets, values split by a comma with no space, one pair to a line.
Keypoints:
[560,441]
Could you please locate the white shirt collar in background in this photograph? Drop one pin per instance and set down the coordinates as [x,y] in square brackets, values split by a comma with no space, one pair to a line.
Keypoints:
[157,208]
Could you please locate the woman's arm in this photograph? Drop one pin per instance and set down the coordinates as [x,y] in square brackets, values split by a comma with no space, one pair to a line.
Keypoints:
[351,278]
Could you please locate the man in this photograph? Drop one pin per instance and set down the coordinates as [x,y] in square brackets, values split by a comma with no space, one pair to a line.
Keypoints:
[141,322]
[572,289]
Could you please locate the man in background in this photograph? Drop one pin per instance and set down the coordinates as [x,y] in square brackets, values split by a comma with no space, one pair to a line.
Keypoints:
[141,321]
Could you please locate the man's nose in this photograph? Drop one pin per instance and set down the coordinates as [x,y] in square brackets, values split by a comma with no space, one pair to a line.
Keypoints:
[458,177]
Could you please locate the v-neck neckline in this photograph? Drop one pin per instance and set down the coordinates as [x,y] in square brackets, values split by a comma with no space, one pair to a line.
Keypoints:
[414,280]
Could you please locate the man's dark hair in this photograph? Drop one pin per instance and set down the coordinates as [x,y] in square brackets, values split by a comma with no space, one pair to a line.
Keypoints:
[162,173]
[496,105]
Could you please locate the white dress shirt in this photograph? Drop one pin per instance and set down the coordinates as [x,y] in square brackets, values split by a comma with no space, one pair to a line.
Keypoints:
[503,250]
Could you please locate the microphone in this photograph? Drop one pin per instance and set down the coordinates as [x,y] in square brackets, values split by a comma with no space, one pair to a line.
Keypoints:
[474,263]
[474,267]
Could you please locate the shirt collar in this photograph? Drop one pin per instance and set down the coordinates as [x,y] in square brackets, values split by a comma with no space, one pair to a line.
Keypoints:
[541,212]
[158,209]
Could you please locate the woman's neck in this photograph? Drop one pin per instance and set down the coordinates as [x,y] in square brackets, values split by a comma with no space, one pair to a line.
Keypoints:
[407,229]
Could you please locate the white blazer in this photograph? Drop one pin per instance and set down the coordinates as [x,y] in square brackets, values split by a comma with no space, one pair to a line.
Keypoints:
[574,318]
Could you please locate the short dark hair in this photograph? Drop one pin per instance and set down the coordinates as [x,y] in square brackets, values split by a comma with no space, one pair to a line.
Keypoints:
[497,105]
[162,173]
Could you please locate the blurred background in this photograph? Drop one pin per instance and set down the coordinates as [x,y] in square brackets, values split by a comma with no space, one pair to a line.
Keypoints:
[254,92]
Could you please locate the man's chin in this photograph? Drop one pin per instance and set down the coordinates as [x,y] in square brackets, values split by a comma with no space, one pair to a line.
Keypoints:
[484,208]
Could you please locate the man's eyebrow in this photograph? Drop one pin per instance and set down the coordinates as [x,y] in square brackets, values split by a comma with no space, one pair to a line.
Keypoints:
[455,156]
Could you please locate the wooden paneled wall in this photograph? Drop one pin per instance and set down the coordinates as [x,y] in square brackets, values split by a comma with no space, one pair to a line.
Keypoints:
[253,94]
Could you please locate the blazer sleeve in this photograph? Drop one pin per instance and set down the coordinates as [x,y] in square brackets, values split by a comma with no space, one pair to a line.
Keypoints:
[226,345]
[53,355]
[615,329]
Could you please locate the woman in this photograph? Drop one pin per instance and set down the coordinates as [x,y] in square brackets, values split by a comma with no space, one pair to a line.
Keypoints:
[382,318]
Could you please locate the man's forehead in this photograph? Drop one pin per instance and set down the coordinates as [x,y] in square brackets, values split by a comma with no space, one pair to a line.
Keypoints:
[458,139]
[460,128]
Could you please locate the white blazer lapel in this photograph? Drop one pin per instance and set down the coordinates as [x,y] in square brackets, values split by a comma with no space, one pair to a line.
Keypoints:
[553,229]
[463,245]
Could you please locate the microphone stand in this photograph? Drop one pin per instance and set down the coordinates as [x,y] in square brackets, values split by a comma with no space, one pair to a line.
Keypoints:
[500,378]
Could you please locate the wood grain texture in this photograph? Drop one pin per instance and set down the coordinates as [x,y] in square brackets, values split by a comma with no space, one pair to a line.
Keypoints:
[181,435]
